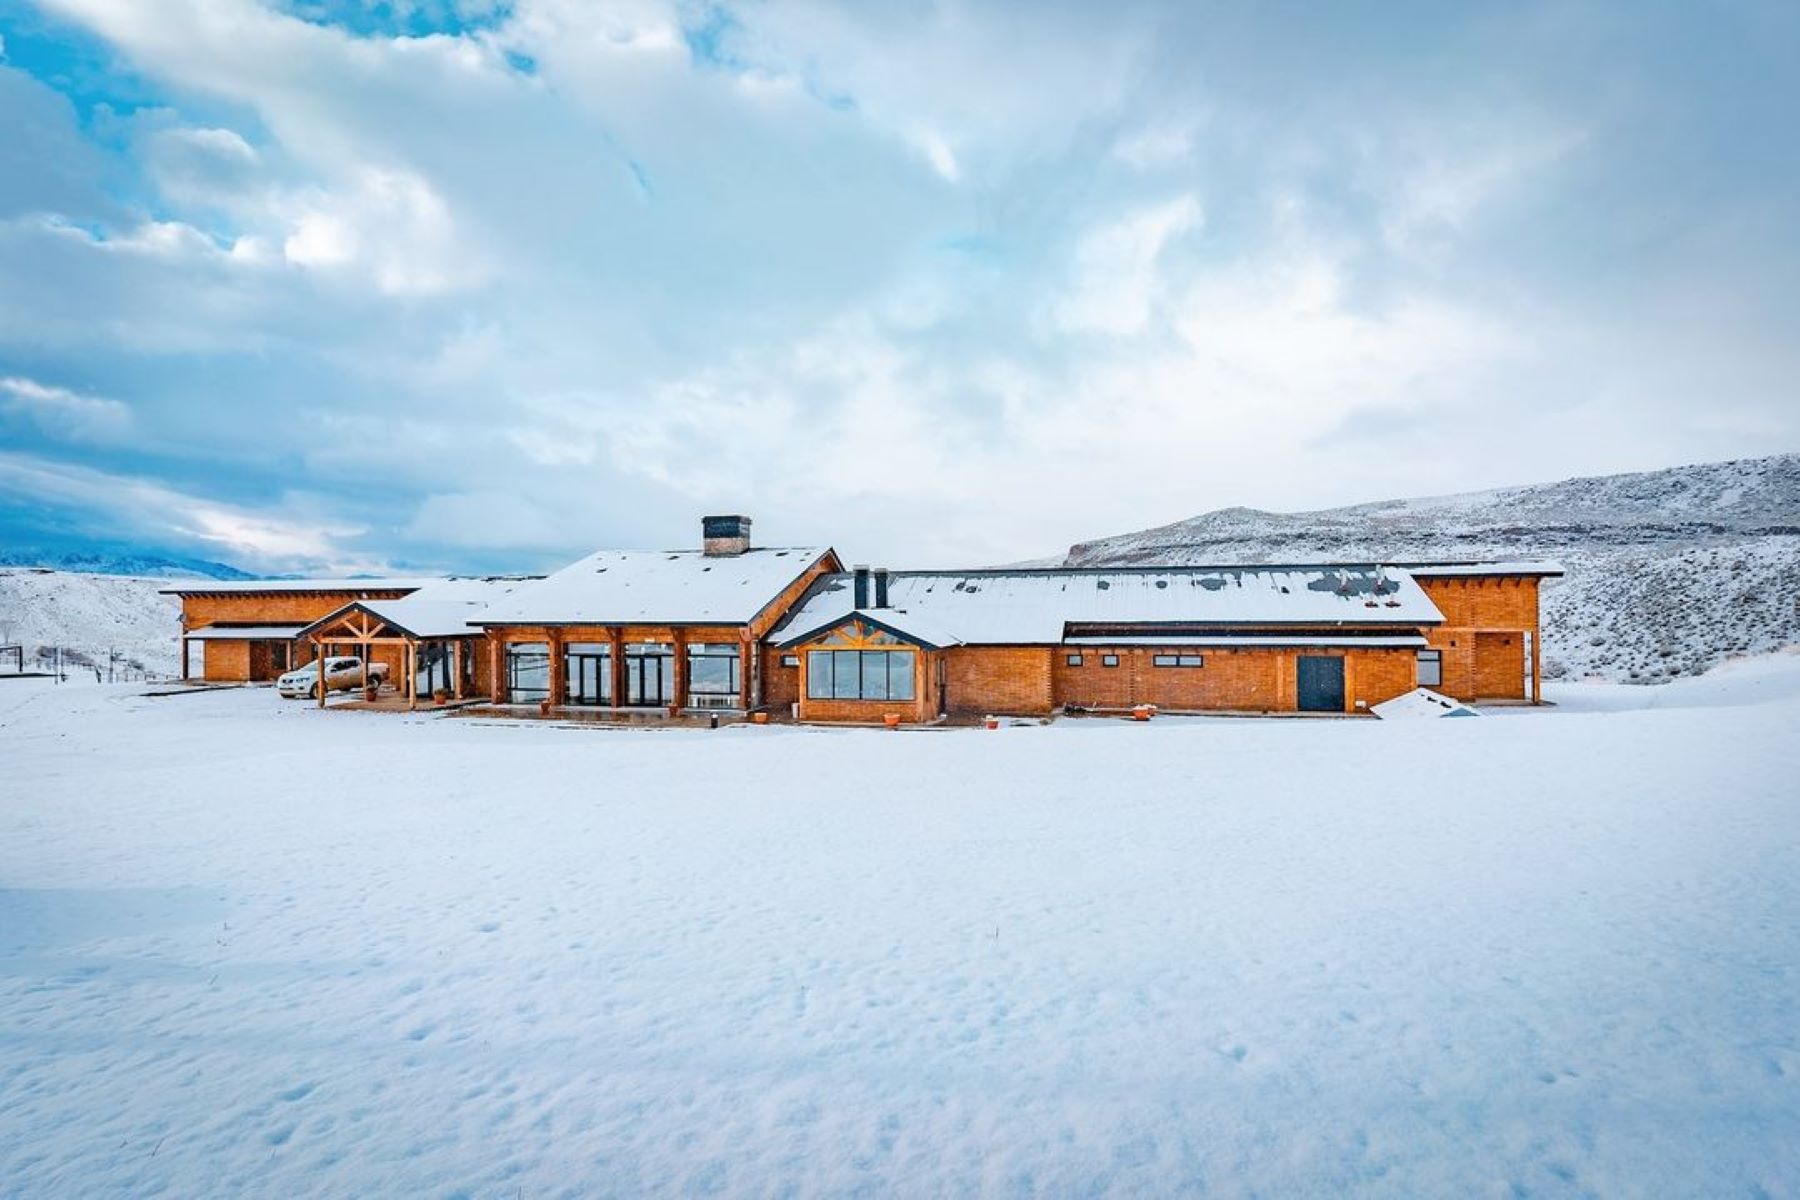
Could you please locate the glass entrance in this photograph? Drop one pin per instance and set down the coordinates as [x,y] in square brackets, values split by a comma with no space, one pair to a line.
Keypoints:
[649,674]
[590,673]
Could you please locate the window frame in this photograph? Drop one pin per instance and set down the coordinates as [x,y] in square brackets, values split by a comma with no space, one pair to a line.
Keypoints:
[1109,660]
[1072,660]
[873,683]
[716,652]
[1433,656]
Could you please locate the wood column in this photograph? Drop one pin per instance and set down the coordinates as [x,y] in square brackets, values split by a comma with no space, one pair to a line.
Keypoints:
[679,638]
[615,665]
[319,663]
[559,669]
[184,660]
[749,694]
[456,667]
[412,675]
[1537,671]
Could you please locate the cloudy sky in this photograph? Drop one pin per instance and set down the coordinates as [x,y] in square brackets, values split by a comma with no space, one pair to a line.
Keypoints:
[333,285]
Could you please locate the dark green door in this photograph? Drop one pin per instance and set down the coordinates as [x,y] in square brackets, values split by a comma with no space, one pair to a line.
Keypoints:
[1321,683]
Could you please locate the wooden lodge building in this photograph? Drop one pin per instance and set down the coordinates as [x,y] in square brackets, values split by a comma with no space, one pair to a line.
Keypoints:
[734,628]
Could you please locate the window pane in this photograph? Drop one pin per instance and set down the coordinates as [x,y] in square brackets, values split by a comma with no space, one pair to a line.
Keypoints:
[1431,668]
[874,675]
[818,675]
[1164,660]
[1192,660]
[528,672]
[713,670]
[846,669]
[900,674]
[1074,660]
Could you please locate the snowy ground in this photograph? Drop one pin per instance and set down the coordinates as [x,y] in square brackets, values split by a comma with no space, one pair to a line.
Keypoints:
[251,948]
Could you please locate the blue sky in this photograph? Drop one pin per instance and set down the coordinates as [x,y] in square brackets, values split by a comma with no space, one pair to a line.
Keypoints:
[329,285]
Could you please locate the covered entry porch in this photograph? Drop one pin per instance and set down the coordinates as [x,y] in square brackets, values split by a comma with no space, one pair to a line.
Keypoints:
[422,658]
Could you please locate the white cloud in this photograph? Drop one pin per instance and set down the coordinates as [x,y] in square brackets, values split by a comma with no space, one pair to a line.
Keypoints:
[62,413]
[158,513]
[1116,283]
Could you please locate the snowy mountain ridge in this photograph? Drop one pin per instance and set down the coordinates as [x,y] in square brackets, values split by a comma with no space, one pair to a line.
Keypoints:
[1669,572]
[90,616]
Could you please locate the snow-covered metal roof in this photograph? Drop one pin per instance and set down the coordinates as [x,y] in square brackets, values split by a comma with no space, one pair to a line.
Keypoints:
[1226,641]
[1033,607]
[657,587]
[240,633]
[251,587]
[1480,569]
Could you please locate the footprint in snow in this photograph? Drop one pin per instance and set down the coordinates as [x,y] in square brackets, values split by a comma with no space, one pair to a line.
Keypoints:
[298,1093]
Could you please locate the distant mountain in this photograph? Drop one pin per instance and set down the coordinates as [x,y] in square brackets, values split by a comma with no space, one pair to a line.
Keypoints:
[1668,571]
[106,560]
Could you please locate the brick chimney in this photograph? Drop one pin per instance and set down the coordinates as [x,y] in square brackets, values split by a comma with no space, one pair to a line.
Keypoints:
[881,587]
[724,537]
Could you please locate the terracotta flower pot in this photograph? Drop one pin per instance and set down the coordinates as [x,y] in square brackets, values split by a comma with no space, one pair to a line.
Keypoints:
[370,692]
[543,708]
[992,722]
[891,720]
[759,718]
[1142,712]
[440,696]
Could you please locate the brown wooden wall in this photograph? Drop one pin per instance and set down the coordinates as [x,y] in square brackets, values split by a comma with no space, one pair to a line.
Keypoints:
[1232,680]
[1483,637]
[1003,680]
[283,608]
[925,706]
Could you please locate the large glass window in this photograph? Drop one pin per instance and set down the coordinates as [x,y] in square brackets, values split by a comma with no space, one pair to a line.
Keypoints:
[649,673]
[437,665]
[860,674]
[527,672]
[1431,668]
[713,669]
[589,668]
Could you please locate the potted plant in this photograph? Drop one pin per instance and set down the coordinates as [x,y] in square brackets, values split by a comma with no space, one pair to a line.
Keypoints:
[440,696]
[371,690]
[891,720]
[759,718]
[544,707]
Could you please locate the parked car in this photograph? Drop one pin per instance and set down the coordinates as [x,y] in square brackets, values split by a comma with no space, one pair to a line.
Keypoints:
[341,674]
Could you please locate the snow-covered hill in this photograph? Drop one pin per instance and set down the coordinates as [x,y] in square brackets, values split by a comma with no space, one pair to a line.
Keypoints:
[91,615]
[1669,572]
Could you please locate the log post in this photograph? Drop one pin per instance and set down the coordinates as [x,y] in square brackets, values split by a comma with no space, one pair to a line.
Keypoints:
[319,670]
[456,665]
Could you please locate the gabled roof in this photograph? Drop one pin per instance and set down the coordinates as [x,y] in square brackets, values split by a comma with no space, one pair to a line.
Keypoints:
[658,587]
[1034,607]
[443,608]
[905,626]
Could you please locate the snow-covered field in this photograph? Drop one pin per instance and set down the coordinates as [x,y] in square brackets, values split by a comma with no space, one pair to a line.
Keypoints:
[248,948]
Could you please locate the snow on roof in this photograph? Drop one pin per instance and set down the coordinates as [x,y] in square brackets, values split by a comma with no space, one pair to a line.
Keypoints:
[657,587]
[1225,641]
[448,607]
[1032,607]
[230,633]
[1440,570]
[251,587]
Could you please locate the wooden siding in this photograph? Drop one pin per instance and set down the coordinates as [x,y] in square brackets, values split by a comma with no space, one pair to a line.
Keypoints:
[1003,680]
[1231,680]
[1484,636]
